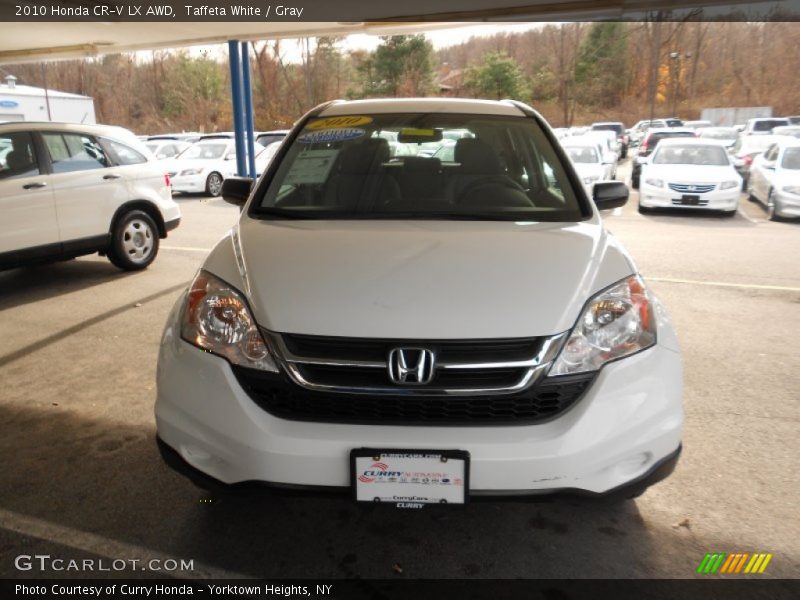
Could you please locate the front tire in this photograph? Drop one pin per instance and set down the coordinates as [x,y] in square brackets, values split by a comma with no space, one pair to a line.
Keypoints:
[214,184]
[134,241]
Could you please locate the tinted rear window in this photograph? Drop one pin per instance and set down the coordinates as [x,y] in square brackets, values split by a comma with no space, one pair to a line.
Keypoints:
[768,124]
[609,127]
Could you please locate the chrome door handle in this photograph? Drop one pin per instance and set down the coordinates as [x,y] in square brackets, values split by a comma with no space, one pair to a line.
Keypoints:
[33,186]
[111,176]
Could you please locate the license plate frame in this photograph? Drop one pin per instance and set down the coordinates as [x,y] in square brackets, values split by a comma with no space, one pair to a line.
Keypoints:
[690,200]
[448,483]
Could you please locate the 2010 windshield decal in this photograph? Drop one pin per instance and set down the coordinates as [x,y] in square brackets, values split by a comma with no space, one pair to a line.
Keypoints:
[331,135]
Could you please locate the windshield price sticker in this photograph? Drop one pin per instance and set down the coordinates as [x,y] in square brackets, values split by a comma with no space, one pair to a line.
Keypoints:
[311,167]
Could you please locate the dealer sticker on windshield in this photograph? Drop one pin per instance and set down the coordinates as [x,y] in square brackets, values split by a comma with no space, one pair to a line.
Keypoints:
[410,478]
[325,136]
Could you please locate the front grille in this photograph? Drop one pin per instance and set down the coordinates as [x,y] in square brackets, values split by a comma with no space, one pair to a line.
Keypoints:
[361,365]
[700,202]
[284,399]
[366,349]
[686,188]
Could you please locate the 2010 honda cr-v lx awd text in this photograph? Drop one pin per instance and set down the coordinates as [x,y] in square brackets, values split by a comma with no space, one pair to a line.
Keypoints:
[419,326]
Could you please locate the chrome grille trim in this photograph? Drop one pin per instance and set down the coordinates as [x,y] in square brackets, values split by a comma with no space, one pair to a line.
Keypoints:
[531,370]
[689,188]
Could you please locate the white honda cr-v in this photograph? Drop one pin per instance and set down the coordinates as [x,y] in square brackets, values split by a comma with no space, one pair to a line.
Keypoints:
[67,190]
[421,331]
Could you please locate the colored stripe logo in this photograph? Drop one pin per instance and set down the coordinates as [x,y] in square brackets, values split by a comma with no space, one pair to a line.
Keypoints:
[737,562]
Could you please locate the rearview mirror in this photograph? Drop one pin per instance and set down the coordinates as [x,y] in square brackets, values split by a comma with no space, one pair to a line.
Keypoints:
[610,194]
[236,190]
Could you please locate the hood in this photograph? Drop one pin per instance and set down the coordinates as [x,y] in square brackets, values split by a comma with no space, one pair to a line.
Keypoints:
[418,279]
[690,173]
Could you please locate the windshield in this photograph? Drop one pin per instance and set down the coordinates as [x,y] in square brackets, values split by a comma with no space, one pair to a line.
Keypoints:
[429,165]
[152,147]
[582,154]
[204,151]
[694,154]
[791,159]
[728,133]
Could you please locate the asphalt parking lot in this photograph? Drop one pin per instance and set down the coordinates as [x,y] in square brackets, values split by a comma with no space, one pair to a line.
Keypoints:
[81,475]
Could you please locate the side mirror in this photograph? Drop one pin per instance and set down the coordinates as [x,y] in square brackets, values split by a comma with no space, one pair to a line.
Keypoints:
[608,159]
[236,190]
[769,165]
[643,160]
[610,194]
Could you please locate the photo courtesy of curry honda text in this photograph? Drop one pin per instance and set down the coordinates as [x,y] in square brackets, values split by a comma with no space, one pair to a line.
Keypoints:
[414,330]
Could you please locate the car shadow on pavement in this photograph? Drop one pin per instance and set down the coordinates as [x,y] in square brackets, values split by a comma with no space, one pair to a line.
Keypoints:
[29,284]
[689,216]
[83,475]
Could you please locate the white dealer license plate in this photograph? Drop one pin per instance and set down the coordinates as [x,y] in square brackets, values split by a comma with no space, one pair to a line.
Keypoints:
[410,478]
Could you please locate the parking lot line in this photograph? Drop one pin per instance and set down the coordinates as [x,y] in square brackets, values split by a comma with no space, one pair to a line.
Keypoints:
[105,547]
[187,249]
[749,286]
[746,216]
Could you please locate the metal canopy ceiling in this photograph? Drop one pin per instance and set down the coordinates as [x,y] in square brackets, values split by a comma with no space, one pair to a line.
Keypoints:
[30,42]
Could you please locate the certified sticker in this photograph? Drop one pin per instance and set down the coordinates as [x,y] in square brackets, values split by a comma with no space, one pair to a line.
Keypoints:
[331,135]
[338,122]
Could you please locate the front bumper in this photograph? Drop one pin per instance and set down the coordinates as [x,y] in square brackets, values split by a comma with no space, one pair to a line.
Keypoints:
[653,197]
[624,427]
[788,205]
[659,471]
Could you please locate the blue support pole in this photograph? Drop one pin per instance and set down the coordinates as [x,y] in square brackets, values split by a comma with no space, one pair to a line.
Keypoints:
[247,88]
[236,94]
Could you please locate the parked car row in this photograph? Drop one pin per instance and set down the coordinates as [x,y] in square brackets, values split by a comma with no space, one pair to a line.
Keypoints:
[199,163]
[701,165]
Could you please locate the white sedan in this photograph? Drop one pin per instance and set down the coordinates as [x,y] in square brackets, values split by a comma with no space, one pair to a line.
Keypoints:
[689,173]
[589,161]
[203,167]
[775,179]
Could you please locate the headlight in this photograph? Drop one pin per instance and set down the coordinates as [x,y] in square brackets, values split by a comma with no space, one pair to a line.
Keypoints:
[654,182]
[617,322]
[591,179]
[791,189]
[726,185]
[191,172]
[216,318]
